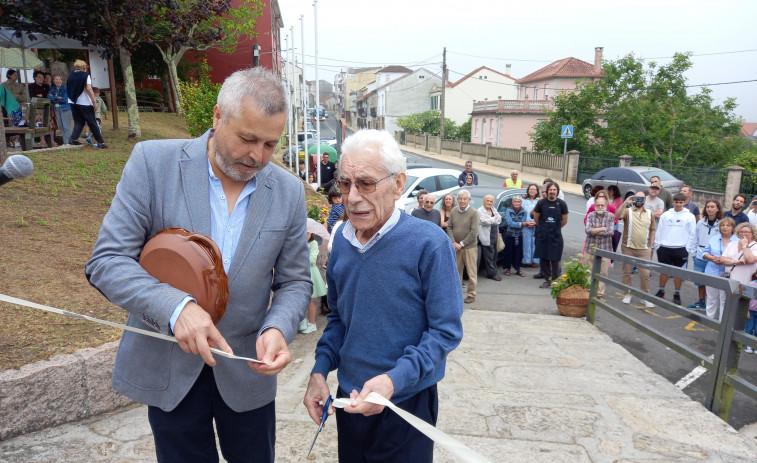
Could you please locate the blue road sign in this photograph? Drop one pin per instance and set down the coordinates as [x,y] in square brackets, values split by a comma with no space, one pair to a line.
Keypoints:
[566,132]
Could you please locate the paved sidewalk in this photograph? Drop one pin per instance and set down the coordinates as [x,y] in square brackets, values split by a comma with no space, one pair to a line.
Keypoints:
[520,388]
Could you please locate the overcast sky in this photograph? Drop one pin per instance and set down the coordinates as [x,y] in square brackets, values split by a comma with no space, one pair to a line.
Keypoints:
[530,34]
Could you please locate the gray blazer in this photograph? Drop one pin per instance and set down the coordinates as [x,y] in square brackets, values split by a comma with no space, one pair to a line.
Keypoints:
[165,184]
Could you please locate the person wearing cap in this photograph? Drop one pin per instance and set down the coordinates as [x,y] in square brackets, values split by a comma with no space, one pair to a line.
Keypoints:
[224,186]
[653,203]
[665,195]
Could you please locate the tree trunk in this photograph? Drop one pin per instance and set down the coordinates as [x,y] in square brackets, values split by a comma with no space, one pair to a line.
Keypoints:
[171,58]
[135,131]
[3,145]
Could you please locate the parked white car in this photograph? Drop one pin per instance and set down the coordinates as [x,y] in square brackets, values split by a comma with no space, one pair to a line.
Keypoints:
[433,180]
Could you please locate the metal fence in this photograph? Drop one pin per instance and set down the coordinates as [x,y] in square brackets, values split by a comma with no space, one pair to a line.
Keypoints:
[731,338]
[700,178]
[588,166]
[748,185]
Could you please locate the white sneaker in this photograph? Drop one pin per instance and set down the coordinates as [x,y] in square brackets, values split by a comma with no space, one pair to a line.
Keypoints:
[309,328]
[303,325]
[648,304]
[627,299]
[748,350]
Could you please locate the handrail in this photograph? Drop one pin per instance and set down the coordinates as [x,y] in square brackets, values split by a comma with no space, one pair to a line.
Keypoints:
[731,336]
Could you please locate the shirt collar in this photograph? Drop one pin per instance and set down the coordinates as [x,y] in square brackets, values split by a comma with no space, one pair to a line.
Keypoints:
[349,232]
[463,210]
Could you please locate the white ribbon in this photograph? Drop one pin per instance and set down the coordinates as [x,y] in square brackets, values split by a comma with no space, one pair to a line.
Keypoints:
[34,305]
[454,446]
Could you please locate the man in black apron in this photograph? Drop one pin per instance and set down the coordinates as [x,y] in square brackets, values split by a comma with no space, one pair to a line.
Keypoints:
[550,215]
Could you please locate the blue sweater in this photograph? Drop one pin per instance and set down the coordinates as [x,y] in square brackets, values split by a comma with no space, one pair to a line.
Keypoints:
[396,309]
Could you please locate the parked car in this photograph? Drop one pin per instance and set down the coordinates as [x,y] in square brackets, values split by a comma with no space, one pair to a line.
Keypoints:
[503,197]
[629,180]
[433,180]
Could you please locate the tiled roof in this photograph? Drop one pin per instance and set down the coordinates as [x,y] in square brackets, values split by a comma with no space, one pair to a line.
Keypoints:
[454,84]
[566,67]
[749,129]
[395,69]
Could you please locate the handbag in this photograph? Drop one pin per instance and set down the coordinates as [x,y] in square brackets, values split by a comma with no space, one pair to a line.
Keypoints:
[728,273]
[500,243]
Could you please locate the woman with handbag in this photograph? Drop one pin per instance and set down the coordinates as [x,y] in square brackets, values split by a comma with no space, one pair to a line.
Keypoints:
[488,229]
[712,253]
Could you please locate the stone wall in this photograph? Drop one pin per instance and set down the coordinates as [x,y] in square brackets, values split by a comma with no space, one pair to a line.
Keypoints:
[62,389]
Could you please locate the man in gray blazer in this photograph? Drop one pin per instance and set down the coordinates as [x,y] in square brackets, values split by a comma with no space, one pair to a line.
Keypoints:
[220,185]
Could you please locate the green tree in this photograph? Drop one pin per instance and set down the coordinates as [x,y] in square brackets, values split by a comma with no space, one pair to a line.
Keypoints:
[428,122]
[465,130]
[198,25]
[647,113]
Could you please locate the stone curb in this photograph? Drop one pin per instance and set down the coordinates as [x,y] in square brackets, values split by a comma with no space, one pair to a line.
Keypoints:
[59,390]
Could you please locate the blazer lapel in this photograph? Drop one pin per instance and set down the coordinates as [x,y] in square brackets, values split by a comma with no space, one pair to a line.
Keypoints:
[260,202]
[194,176]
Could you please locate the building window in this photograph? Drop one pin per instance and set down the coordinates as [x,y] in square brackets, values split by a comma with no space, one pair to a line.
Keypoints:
[435,102]
[475,130]
[491,128]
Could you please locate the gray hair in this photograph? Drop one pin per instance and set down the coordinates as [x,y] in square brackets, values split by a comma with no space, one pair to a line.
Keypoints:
[429,194]
[391,159]
[259,84]
[517,198]
[463,193]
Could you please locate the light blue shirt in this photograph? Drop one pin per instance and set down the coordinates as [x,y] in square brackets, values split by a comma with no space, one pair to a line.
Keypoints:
[715,247]
[348,231]
[225,228]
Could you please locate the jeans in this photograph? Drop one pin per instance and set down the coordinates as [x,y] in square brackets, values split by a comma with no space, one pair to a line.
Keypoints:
[751,324]
[63,116]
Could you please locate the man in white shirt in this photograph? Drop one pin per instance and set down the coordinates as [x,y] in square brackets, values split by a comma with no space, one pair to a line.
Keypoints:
[675,239]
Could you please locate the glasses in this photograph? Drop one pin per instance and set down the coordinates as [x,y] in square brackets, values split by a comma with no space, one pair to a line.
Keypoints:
[363,186]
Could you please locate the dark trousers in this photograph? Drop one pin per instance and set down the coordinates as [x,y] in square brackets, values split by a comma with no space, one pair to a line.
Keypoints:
[387,437]
[513,252]
[85,115]
[489,256]
[550,269]
[186,433]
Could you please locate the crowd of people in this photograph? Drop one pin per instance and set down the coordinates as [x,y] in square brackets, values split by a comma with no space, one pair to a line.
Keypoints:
[74,105]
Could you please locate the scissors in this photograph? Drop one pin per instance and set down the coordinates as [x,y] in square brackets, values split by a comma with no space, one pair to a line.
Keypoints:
[323,420]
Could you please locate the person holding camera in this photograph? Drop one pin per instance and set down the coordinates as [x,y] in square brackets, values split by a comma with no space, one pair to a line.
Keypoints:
[637,240]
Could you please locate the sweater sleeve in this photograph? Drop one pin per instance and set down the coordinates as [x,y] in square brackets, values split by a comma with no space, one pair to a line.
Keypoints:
[444,310]
[328,347]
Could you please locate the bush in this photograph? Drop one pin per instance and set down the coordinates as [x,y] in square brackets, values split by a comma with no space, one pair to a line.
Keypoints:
[197,101]
[149,95]
[428,122]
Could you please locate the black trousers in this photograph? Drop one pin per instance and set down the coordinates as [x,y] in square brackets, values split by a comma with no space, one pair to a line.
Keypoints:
[85,115]
[386,437]
[489,256]
[185,434]
[513,252]
[550,269]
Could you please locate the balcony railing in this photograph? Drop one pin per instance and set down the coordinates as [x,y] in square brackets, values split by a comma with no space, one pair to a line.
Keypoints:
[512,106]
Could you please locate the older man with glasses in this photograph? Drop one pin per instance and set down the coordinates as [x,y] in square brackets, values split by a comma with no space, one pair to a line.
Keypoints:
[462,229]
[382,286]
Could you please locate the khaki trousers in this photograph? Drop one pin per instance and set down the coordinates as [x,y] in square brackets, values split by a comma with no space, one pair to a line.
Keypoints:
[643,273]
[602,271]
[468,257]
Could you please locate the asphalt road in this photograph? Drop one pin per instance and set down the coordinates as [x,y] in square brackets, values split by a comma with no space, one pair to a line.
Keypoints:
[513,291]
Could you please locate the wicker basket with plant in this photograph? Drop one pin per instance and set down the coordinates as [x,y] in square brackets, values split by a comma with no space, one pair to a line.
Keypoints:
[571,289]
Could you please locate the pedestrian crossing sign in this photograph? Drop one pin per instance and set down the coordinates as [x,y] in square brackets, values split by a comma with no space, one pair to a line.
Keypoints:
[567,131]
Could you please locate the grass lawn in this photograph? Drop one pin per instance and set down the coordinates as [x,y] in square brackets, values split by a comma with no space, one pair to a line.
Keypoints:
[48,226]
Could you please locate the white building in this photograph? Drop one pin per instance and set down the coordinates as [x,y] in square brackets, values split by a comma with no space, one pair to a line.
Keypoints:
[403,96]
[480,85]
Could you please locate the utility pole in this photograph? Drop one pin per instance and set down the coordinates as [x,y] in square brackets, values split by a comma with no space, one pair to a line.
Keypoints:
[317,97]
[293,106]
[441,101]
[303,90]
[289,94]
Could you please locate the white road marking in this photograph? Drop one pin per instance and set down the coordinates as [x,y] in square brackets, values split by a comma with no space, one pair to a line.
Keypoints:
[692,376]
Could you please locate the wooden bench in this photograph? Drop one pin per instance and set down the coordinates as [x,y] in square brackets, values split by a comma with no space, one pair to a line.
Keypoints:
[39,108]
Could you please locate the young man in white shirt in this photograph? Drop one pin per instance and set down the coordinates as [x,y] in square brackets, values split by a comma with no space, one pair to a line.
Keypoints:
[674,241]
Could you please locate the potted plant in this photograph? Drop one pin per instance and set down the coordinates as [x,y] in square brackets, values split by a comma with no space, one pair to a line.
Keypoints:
[571,290]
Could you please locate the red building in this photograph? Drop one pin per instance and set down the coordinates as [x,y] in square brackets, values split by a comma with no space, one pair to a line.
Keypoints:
[265,49]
